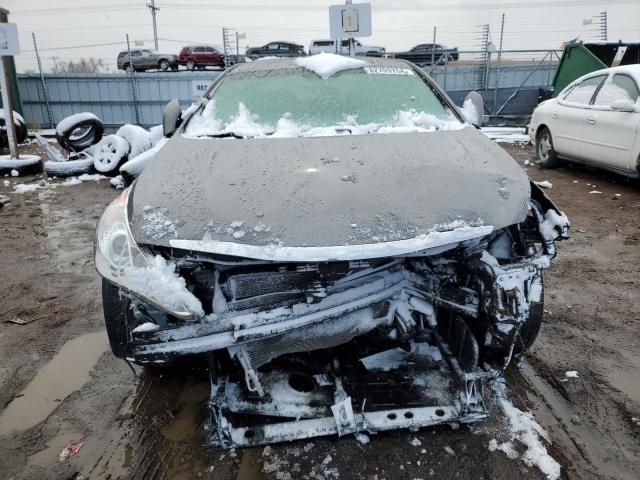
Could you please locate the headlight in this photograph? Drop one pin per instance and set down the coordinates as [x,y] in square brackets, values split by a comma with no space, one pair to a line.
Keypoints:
[119,260]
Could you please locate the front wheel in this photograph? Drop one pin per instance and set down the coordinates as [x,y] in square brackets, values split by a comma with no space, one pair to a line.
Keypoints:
[164,65]
[191,65]
[547,156]
[115,311]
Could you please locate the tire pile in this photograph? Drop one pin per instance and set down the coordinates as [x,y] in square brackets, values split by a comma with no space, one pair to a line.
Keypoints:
[89,150]
[27,164]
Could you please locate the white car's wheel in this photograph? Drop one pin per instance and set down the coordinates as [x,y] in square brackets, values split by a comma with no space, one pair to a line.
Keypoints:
[109,153]
[547,156]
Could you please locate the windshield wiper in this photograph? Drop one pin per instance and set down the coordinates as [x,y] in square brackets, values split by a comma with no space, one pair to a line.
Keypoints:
[224,135]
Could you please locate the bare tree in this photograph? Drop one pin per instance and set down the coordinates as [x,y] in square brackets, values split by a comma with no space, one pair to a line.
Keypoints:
[83,65]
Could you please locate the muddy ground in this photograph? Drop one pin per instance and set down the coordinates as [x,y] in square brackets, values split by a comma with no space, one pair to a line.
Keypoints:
[60,384]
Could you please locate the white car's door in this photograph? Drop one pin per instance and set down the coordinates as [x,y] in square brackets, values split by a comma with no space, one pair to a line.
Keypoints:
[609,135]
[568,115]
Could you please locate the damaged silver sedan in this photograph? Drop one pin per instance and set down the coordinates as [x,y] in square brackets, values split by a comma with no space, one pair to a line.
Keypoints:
[347,252]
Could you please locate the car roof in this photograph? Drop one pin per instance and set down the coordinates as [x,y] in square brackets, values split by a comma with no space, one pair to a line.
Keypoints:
[631,70]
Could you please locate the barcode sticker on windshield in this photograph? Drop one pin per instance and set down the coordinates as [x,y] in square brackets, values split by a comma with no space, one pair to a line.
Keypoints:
[388,71]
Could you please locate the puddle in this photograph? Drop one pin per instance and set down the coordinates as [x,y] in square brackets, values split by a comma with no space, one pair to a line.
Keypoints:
[67,372]
[187,423]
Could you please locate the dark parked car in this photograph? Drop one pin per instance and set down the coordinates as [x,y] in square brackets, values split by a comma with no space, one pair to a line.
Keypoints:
[276,49]
[200,56]
[429,53]
[341,276]
[147,60]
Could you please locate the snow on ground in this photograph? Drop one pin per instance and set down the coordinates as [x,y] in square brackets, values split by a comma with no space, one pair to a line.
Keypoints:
[544,184]
[524,431]
[506,134]
[160,282]
[325,65]
[29,187]
[571,374]
[85,177]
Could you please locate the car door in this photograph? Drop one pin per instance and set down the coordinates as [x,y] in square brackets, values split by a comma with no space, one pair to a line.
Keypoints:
[609,135]
[136,59]
[568,115]
[149,60]
[199,55]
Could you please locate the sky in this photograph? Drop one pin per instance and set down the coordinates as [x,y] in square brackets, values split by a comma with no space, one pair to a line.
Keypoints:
[69,29]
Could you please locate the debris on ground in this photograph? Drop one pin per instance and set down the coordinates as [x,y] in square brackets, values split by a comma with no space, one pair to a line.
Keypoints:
[69,451]
[544,184]
[4,200]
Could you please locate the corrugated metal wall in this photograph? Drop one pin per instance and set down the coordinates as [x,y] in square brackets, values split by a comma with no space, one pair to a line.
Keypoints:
[110,96]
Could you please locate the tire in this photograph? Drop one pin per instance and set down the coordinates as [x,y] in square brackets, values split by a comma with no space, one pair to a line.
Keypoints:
[191,65]
[68,169]
[164,65]
[127,68]
[26,165]
[545,153]
[21,132]
[77,132]
[115,309]
[529,331]
[109,153]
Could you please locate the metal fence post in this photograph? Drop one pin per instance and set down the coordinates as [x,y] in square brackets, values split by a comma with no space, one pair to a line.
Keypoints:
[43,82]
[132,78]
[497,83]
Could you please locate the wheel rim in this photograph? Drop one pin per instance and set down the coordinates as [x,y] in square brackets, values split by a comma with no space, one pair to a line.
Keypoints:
[164,65]
[544,146]
[190,65]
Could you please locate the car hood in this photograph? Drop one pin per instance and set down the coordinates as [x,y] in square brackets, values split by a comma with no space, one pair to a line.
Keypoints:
[348,192]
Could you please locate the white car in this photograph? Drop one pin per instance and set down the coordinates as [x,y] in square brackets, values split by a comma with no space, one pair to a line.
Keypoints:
[329,46]
[594,120]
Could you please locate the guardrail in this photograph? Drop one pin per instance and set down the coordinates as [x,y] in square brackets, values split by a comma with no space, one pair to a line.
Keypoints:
[509,86]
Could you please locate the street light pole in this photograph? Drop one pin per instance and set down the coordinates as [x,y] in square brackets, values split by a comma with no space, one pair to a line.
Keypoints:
[154,9]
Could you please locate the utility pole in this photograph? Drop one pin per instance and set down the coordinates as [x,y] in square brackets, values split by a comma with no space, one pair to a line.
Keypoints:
[603,26]
[495,93]
[154,9]
[433,47]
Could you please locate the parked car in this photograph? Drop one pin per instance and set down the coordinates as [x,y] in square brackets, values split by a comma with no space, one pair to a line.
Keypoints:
[200,56]
[344,265]
[275,49]
[342,48]
[143,60]
[594,120]
[429,53]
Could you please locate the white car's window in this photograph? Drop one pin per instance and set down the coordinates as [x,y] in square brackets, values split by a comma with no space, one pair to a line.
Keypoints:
[620,87]
[583,92]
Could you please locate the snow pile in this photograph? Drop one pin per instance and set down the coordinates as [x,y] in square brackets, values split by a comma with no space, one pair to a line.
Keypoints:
[470,113]
[506,134]
[117,182]
[137,137]
[156,134]
[544,184]
[29,187]
[552,225]
[524,429]
[571,374]
[135,166]
[160,282]
[85,177]
[325,65]
[146,327]
[246,124]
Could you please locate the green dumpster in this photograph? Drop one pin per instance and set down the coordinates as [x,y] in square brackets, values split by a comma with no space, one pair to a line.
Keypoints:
[581,58]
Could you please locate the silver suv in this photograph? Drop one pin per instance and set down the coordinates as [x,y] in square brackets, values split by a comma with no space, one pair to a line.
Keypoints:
[142,60]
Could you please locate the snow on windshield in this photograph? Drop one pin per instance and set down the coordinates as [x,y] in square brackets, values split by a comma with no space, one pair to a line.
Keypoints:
[325,65]
[246,124]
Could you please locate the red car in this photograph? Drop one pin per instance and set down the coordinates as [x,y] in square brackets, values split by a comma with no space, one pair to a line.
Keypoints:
[200,56]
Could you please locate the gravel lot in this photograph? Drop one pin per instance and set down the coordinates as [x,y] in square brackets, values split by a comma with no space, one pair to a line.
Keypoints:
[60,384]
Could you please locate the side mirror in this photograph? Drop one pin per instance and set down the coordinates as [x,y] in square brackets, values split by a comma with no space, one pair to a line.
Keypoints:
[171,117]
[473,108]
[623,106]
